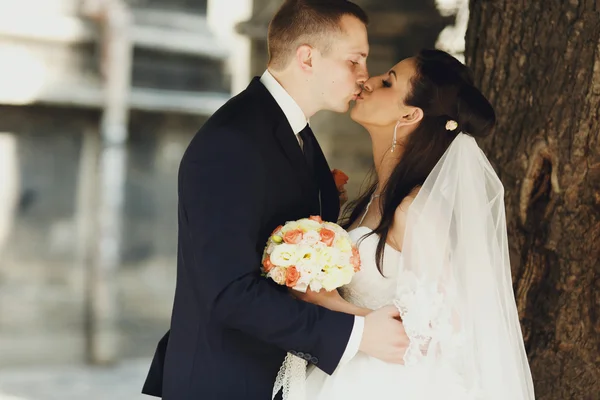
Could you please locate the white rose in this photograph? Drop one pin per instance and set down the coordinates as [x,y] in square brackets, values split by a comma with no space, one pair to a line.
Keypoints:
[341,231]
[335,227]
[315,285]
[333,279]
[342,243]
[278,274]
[290,226]
[309,270]
[346,275]
[320,245]
[311,238]
[309,225]
[328,257]
[300,286]
[344,259]
[306,254]
[306,275]
[284,255]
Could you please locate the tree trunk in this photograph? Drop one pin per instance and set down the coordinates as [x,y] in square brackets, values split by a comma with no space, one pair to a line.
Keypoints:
[538,61]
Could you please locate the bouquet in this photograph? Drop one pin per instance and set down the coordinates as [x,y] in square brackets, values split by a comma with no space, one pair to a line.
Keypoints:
[310,254]
[307,254]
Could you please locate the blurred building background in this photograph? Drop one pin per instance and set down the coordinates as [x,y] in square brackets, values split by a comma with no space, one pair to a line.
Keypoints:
[98,101]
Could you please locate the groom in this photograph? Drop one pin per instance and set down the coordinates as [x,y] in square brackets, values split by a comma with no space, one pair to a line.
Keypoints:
[254,165]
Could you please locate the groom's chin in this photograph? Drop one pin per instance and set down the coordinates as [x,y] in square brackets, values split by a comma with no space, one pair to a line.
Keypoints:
[342,108]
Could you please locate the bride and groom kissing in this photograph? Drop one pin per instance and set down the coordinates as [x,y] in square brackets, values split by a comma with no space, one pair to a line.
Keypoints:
[425,223]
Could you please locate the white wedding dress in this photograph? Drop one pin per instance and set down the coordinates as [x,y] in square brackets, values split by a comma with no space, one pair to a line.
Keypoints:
[452,285]
[365,377]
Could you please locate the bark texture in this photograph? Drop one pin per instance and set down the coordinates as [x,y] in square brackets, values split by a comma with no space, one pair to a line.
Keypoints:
[538,61]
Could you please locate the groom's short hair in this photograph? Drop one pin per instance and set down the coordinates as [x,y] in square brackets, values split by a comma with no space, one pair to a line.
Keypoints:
[311,22]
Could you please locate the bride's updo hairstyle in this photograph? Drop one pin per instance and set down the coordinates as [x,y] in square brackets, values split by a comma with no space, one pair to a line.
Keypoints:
[443,88]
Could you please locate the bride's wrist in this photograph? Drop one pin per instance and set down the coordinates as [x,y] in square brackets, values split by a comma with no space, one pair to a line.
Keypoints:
[349,308]
[362,312]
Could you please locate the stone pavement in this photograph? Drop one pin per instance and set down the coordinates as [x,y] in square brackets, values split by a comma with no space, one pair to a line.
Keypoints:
[79,382]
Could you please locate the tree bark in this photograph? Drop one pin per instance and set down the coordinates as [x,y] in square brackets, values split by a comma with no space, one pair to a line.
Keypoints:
[538,61]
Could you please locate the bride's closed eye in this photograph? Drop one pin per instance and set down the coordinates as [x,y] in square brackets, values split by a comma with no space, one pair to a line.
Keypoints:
[386,83]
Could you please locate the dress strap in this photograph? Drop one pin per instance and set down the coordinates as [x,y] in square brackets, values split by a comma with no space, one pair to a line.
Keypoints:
[366,211]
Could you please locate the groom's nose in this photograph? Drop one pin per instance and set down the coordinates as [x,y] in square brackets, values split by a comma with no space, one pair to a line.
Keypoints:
[363,76]
[369,85]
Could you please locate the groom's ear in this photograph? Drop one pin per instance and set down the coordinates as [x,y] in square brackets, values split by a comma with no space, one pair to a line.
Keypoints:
[414,116]
[304,57]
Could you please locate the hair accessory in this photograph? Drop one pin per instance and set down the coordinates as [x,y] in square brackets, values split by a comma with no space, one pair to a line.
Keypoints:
[451,125]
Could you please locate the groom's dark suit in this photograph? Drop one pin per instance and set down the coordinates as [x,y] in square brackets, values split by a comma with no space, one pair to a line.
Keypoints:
[242,175]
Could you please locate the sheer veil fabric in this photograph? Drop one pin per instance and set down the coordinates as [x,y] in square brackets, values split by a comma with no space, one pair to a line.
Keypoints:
[455,290]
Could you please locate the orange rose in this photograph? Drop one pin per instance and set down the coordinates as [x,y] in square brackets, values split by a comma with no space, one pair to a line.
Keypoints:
[276,229]
[316,218]
[267,264]
[355,259]
[327,236]
[293,237]
[292,276]
[340,179]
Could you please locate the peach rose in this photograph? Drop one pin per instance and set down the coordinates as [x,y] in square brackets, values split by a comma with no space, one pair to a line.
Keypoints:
[278,275]
[327,236]
[340,179]
[355,259]
[316,218]
[292,276]
[293,237]
[267,264]
[276,229]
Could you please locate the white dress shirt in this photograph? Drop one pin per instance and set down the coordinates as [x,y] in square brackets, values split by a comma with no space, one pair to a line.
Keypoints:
[298,121]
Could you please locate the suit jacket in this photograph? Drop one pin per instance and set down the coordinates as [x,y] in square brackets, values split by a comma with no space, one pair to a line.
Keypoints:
[242,175]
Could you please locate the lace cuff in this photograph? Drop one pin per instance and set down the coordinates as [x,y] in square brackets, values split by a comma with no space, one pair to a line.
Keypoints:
[291,378]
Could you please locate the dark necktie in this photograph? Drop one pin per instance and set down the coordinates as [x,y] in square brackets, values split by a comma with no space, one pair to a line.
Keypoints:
[319,172]
[309,148]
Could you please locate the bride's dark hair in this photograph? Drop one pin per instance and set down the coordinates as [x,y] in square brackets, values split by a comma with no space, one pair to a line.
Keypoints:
[443,88]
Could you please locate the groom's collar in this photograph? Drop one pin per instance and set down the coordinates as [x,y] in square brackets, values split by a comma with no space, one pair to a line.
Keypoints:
[288,105]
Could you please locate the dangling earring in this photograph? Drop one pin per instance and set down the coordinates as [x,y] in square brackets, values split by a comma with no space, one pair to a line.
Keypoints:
[394,138]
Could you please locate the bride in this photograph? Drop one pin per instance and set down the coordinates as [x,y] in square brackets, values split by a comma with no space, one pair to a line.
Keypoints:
[432,238]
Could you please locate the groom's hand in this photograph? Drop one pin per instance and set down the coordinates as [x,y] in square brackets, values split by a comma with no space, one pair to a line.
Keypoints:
[384,336]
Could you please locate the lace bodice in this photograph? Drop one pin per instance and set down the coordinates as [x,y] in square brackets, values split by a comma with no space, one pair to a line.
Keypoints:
[369,288]
[422,306]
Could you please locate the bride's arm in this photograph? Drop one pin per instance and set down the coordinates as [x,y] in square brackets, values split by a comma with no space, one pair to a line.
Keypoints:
[332,301]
